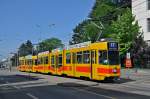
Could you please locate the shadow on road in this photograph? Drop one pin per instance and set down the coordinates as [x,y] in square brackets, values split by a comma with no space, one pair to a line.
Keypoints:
[98,90]
[16,78]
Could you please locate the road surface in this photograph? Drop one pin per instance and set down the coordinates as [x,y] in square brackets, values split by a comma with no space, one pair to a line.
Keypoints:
[16,86]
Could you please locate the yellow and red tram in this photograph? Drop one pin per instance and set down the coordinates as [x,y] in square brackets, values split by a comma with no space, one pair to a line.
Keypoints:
[97,61]
[21,66]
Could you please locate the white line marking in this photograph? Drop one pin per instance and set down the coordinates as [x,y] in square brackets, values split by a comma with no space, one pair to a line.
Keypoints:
[94,93]
[32,96]
[16,87]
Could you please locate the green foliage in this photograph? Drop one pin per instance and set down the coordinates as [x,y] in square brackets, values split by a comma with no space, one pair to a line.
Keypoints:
[79,34]
[49,44]
[91,32]
[125,30]
[101,8]
[140,52]
[25,48]
[103,11]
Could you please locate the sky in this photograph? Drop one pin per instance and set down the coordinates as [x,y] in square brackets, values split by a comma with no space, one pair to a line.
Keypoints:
[35,20]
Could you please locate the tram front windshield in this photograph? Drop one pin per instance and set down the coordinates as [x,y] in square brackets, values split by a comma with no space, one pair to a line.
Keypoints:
[113,57]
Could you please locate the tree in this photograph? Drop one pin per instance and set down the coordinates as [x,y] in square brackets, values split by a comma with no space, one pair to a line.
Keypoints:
[49,44]
[140,52]
[29,47]
[79,34]
[25,48]
[104,11]
[125,30]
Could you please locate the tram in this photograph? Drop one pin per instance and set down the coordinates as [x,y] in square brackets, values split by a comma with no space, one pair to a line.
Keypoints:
[96,61]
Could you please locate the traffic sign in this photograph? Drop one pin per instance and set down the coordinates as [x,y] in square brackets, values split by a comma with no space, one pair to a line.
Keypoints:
[128,63]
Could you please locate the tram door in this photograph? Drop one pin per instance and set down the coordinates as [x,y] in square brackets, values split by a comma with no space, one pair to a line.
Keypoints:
[93,63]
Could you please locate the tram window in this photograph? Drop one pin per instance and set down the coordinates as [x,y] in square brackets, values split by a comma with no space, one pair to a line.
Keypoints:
[52,59]
[46,60]
[86,57]
[68,58]
[36,62]
[103,57]
[79,57]
[41,60]
[25,62]
[30,62]
[22,62]
[113,57]
[60,60]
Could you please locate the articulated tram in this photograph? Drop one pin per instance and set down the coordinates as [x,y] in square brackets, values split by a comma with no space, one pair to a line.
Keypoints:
[97,61]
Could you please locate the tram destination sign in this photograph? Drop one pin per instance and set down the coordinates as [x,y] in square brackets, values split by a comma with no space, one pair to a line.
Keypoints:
[113,46]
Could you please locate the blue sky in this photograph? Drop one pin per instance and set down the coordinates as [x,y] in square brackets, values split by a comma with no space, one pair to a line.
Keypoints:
[19,20]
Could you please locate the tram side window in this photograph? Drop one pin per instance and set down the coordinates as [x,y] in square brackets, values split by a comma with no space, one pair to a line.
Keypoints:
[86,57]
[79,57]
[60,60]
[113,57]
[68,58]
[36,61]
[52,61]
[102,57]
[23,62]
[46,60]
[40,60]
[29,62]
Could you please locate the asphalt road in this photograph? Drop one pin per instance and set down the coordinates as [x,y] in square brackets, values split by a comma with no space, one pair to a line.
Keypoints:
[24,87]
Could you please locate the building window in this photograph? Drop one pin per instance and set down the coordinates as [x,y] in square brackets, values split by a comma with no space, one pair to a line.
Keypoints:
[148,25]
[148,4]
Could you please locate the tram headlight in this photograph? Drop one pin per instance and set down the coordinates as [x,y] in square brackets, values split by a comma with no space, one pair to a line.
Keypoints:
[115,70]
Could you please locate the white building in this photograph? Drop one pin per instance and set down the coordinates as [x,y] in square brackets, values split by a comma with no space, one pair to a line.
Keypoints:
[141,10]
